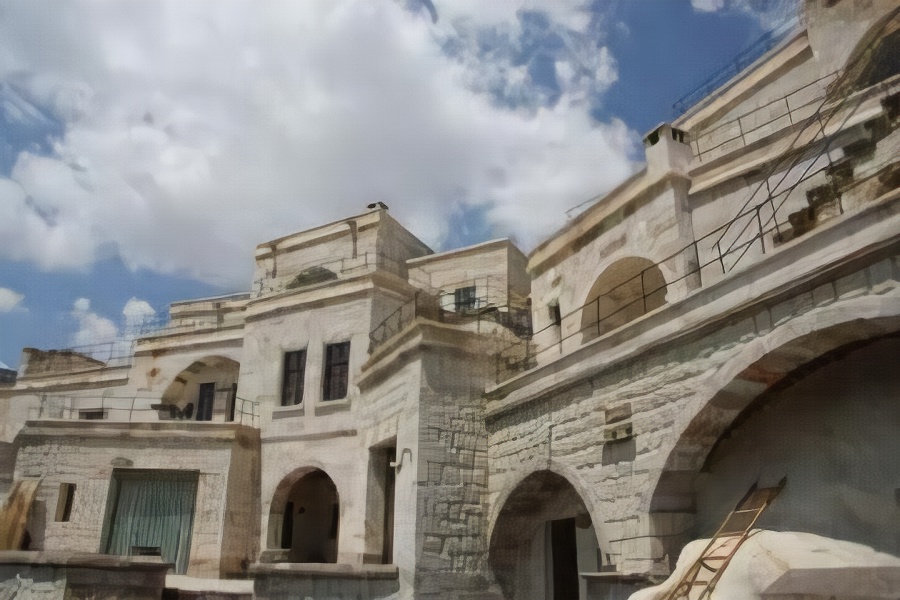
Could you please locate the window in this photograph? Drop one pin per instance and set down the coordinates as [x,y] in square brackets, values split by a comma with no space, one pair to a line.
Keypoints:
[464,298]
[555,314]
[92,415]
[205,401]
[64,503]
[292,383]
[337,370]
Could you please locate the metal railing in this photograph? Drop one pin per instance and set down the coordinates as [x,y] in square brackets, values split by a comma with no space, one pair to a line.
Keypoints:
[367,261]
[744,58]
[593,319]
[794,107]
[817,146]
[132,409]
[492,302]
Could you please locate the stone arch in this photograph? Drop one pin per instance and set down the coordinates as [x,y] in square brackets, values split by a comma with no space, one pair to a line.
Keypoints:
[765,368]
[205,388]
[627,289]
[873,59]
[541,518]
[304,517]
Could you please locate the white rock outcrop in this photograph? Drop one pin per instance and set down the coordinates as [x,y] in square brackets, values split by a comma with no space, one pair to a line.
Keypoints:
[774,565]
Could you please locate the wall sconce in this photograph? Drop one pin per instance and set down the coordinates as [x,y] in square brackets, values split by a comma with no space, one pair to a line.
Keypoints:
[399,463]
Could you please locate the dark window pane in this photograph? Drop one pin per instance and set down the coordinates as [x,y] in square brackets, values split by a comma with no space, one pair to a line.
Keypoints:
[292,384]
[464,298]
[337,370]
[205,401]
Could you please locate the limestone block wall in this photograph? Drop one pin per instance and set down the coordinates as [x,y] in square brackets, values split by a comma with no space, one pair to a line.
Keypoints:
[452,486]
[85,453]
[678,399]
[653,226]
[267,339]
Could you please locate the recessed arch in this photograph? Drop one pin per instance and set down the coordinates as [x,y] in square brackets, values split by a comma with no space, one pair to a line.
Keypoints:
[627,289]
[542,538]
[304,517]
[764,368]
[205,388]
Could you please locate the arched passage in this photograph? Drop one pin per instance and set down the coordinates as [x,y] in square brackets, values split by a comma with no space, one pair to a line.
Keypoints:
[305,517]
[206,389]
[626,290]
[763,423]
[542,539]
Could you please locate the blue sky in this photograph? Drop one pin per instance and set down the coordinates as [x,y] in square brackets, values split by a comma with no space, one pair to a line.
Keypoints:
[147,147]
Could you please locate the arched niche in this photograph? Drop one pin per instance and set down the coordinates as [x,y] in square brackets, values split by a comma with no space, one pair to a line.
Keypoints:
[626,290]
[204,391]
[304,518]
[542,539]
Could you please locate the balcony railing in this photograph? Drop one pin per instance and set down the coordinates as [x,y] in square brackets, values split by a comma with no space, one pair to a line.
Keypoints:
[131,409]
[744,59]
[492,302]
[321,272]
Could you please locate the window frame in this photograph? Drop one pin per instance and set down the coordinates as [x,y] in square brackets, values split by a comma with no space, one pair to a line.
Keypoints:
[299,373]
[465,298]
[336,372]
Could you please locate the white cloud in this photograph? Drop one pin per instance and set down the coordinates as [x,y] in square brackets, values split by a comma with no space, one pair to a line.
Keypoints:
[769,13]
[194,131]
[9,300]
[137,313]
[92,328]
[708,5]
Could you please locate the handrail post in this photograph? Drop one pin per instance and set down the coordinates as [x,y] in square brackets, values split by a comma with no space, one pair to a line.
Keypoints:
[644,291]
[762,238]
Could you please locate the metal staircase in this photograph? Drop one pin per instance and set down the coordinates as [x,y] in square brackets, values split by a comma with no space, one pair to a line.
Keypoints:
[699,581]
[813,141]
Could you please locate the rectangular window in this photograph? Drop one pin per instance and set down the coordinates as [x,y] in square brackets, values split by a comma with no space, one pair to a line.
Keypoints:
[92,415]
[292,382]
[464,298]
[337,371]
[64,503]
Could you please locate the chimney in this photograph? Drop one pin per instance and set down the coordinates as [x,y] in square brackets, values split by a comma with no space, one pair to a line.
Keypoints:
[667,150]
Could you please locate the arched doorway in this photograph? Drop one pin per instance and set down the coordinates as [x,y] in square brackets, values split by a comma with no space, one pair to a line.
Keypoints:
[305,517]
[542,540]
[626,290]
[204,391]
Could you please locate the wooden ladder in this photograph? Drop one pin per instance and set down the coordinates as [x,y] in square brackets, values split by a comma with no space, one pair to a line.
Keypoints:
[701,578]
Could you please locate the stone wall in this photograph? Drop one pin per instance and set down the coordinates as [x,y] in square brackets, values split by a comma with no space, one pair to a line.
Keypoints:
[634,487]
[85,453]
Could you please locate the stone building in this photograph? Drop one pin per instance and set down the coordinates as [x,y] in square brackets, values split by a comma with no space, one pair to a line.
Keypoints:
[375,420]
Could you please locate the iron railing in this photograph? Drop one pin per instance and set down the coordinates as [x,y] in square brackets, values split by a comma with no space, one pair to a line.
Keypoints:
[344,266]
[132,409]
[492,302]
[744,59]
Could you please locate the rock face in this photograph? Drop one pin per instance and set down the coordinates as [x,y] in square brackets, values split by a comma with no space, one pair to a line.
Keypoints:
[776,565]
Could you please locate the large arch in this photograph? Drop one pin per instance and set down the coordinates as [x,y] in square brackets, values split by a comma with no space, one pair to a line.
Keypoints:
[627,289]
[203,390]
[542,538]
[768,373]
[304,517]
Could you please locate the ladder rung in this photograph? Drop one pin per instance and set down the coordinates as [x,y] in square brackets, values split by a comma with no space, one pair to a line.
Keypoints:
[720,557]
[699,582]
[746,510]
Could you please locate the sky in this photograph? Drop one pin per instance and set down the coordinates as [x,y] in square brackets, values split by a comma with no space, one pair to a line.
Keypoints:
[146,147]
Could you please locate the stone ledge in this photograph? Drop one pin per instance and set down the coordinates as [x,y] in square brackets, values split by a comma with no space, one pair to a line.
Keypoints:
[324,571]
[84,560]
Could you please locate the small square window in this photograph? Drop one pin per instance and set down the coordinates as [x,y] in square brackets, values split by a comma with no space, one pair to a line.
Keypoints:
[337,371]
[64,503]
[292,382]
[464,298]
[555,314]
